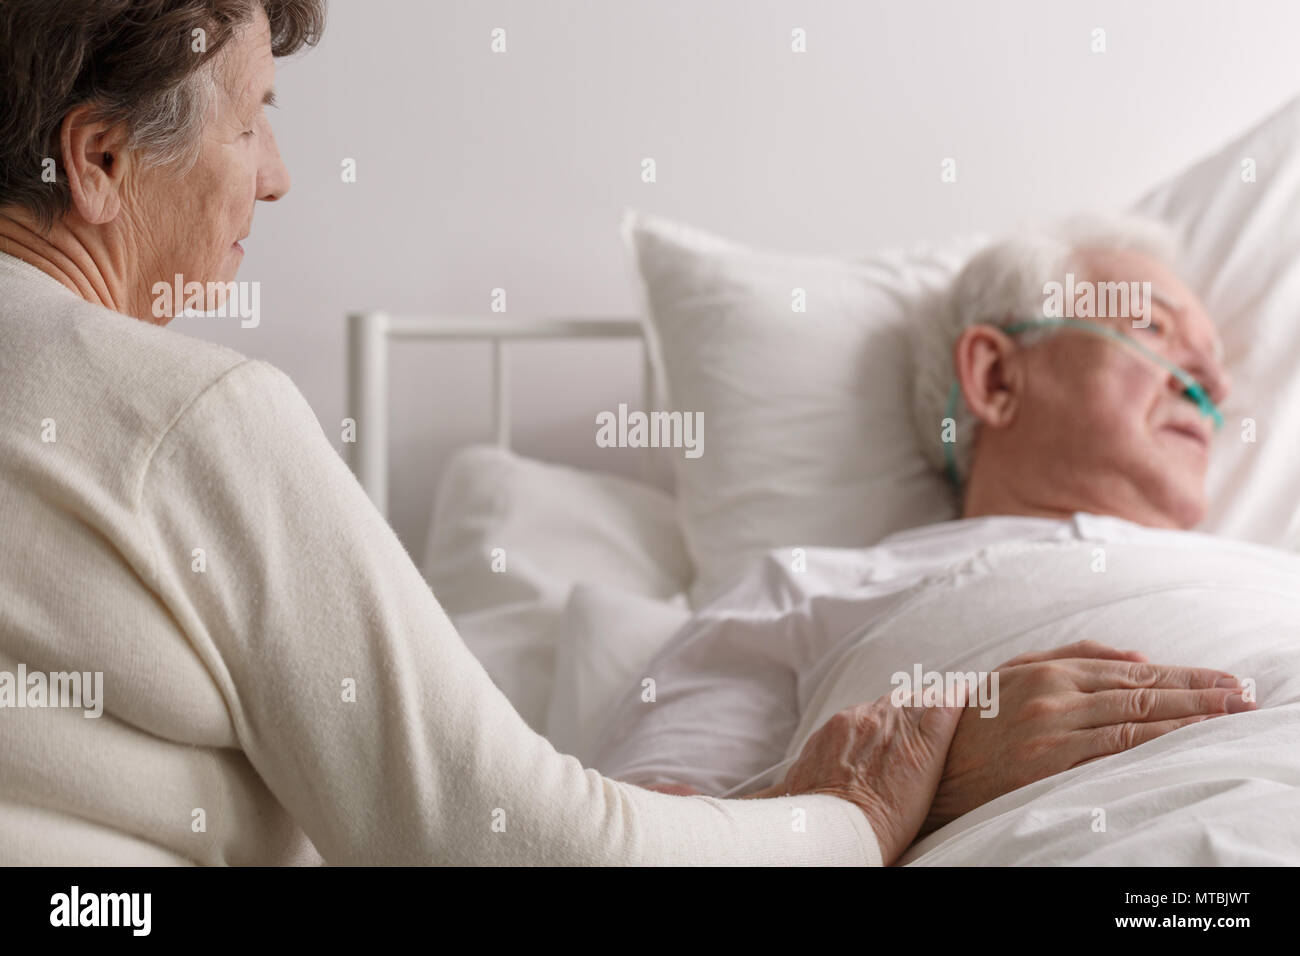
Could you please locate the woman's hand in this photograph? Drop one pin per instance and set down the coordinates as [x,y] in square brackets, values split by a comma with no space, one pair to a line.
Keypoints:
[884,759]
[1058,709]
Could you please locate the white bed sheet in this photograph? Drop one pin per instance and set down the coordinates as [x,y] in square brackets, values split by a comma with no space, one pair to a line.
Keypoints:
[1226,791]
[512,536]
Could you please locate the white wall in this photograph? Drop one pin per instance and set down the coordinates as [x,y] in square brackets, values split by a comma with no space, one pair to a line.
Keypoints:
[478,170]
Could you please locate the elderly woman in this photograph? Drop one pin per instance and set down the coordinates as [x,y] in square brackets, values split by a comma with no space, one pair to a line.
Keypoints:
[279,684]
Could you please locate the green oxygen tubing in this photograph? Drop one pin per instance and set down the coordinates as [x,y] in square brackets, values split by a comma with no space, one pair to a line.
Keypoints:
[1193,390]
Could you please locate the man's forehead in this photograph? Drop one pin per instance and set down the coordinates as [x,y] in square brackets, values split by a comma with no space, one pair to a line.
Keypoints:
[1131,265]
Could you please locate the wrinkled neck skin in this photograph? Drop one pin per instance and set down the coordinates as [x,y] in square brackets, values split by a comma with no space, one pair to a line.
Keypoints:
[87,261]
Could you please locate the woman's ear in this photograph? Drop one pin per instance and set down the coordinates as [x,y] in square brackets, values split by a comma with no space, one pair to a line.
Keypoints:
[95,162]
[990,382]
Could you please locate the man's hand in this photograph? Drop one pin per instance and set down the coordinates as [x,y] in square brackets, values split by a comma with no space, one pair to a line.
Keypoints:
[1065,707]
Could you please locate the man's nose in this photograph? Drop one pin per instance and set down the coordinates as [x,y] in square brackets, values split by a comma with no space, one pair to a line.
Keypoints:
[1203,365]
[272,175]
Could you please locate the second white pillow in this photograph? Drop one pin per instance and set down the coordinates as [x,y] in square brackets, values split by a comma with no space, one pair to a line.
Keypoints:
[802,370]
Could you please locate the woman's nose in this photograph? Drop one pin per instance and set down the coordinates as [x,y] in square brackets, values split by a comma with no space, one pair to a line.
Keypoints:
[273,179]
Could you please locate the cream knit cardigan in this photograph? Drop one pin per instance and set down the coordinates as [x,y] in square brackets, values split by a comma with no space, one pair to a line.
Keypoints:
[279,683]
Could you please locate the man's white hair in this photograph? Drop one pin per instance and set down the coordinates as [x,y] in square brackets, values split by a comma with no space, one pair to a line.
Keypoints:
[1003,282]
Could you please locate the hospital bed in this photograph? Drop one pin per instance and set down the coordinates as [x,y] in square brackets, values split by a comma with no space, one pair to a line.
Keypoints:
[565,582]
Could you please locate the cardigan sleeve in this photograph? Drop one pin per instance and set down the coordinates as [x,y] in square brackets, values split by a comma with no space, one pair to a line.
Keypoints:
[355,699]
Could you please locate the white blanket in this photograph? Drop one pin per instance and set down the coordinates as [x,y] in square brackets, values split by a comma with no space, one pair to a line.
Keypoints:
[752,678]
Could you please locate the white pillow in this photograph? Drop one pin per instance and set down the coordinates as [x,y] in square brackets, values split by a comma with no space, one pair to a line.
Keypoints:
[554,527]
[807,415]
[604,641]
[1242,257]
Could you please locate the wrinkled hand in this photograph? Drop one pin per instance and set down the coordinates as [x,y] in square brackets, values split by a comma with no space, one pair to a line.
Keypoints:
[885,760]
[1065,707]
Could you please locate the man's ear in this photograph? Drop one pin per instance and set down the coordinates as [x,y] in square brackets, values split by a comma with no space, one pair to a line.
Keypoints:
[990,382]
[95,162]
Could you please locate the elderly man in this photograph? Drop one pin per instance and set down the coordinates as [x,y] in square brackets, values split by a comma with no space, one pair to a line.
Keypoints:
[1058,422]
[212,648]
[1060,431]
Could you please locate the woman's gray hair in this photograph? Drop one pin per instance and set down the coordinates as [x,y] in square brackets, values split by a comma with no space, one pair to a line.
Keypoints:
[168,131]
[1007,281]
[147,64]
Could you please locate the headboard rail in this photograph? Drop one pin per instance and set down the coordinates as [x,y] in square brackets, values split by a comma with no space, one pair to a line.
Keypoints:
[369,337]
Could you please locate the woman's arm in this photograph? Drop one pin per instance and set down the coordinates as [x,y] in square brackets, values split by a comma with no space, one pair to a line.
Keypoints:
[355,699]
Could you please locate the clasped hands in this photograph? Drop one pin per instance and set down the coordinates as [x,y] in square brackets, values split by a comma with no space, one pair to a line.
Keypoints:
[912,769]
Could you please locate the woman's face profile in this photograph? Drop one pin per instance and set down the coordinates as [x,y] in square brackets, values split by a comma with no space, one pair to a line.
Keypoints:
[192,225]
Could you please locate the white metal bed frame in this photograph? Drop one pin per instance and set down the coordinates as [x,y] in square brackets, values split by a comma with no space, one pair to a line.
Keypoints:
[369,334]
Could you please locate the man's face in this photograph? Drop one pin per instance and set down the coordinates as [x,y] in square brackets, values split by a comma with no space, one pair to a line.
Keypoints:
[192,226]
[1110,430]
